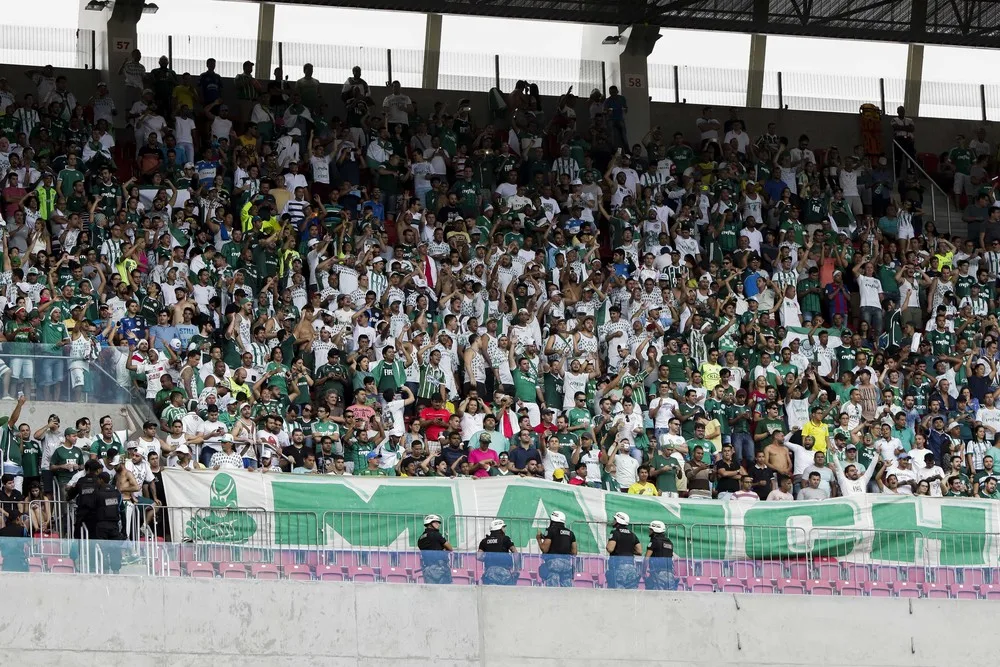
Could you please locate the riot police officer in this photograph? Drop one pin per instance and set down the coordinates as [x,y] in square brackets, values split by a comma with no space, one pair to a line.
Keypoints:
[84,491]
[659,563]
[623,546]
[107,522]
[496,553]
[558,545]
[434,548]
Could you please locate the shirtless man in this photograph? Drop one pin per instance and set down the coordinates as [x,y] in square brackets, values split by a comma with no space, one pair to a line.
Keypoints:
[776,455]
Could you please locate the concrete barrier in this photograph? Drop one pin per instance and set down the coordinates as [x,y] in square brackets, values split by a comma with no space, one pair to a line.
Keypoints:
[134,622]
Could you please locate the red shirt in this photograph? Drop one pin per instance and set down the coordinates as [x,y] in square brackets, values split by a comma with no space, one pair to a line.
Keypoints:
[542,429]
[576,481]
[431,432]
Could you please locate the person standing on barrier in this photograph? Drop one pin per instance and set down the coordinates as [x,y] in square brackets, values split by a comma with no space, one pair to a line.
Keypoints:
[659,563]
[83,489]
[433,547]
[496,553]
[622,547]
[107,522]
[558,545]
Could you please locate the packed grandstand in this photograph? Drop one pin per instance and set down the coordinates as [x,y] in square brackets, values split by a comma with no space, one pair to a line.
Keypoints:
[304,280]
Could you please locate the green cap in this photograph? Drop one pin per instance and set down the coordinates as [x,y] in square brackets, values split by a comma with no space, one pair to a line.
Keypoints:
[70,431]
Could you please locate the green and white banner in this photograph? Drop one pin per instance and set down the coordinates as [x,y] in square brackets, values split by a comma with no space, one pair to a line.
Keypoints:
[293,511]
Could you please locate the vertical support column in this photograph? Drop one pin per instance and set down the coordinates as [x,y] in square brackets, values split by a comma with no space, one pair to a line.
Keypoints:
[432,51]
[914,76]
[755,71]
[265,40]
[634,82]
[122,39]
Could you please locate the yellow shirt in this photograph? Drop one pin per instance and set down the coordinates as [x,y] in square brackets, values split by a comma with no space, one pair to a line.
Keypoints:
[710,375]
[647,489]
[820,434]
[184,96]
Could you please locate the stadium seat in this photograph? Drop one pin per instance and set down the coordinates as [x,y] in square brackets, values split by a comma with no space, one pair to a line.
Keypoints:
[60,565]
[760,585]
[791,586]
[990,591]
[857,573]
[462,577]
[583,580]
[907,589]
[397,575]
[298,572]
[772,570]
[887,574]
[233,570]
[330,573]
[829,572]
[962,592]
[935,591]
[730,585]
[916,574]
[818,587]
[700,585]
[682,567]
[944,576]
[35,564]
[799,570]
[878,589]
[362,574]
[973,576]
[849,588]
[709,569]
[265,571]
[199,569]
[744,569]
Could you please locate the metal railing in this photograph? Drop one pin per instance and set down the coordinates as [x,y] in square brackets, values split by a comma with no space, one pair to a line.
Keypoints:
[933,185]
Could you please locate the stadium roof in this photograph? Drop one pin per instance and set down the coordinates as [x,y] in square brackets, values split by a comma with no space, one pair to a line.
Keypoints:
[950,22]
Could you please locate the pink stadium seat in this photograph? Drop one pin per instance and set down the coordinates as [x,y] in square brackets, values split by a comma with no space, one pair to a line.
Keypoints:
[772,569]
[791,586]
[935,591]
[916,574]
[710,569]
[849,588]
[397,575]
[330,573]
[700,585]
[973,576]
[962,592]
[799,570]
[906,589]
[887,574]
[59,565]
[817,587]
[760,585]
[462,577]
[199,570]
[744,569]
[233,570]
[583,580]
[298,572]
[990,591]
[944,575]
[265,571]
[857,573]
[682,567]
[829,572]
[362,574]
[878,589]
[730,585]
[172,569]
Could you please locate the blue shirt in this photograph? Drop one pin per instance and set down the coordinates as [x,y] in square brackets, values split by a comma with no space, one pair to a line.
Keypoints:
[378,209]
[207,169]
[136,325]
[520,456]
[750,285]
[210,84]
[163,336]
[617,106]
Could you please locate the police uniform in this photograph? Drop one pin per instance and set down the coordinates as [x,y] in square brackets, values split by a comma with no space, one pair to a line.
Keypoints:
[433,557]
[498,561]
[660,575]
[86,505]
[107,524]
[557,565]
[622,572]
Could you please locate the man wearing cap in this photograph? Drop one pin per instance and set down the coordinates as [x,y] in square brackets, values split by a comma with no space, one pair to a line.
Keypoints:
[495,553]
[227,459]
[66,459]
[483,459]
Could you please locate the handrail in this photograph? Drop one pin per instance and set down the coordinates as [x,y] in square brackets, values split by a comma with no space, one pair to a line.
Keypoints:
[934,184]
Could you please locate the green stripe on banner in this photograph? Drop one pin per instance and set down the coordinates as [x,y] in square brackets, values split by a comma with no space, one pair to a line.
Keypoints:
[338,512]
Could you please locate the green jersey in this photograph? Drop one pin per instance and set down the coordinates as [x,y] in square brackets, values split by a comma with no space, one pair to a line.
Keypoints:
[63,455]
[666,481]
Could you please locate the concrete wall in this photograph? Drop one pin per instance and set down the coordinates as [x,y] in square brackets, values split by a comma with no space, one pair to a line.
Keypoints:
[140,622]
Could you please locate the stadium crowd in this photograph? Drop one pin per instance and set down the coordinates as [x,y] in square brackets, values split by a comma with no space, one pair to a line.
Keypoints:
[305,279]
